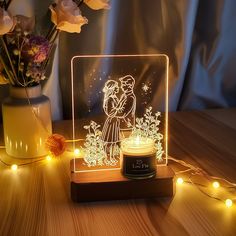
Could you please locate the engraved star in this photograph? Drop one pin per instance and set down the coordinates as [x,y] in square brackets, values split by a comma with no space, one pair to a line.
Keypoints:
[145,88]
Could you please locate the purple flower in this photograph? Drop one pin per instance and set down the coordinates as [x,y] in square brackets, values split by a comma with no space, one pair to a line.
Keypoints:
[36,49]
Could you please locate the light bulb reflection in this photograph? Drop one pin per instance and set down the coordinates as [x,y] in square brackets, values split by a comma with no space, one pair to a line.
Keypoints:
[228,203]
[180,181]
[137,140]
[216,184]
[48,158]
[77,152]
[14,167]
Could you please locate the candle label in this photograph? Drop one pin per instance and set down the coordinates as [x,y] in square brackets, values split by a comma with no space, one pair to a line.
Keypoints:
[139,166]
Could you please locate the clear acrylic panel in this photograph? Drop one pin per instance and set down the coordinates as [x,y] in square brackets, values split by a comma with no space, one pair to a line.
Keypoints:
[117,99]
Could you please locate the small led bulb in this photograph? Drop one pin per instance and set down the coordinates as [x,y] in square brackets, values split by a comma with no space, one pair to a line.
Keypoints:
[76,151]
[14,167]
[228,203]
[48,158]
[216,184]
[179,181]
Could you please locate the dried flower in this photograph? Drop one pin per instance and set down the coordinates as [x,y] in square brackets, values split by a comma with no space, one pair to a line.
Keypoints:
[36,73]
[16,52]
[67,16]
[36,49]
[7,22]
[97,4]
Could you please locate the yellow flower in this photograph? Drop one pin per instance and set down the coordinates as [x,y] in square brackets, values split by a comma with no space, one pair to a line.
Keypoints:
[67,16]
[3,79]
[7,23]
[97,4]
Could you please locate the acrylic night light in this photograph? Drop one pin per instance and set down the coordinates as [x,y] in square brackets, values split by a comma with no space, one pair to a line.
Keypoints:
[122,127]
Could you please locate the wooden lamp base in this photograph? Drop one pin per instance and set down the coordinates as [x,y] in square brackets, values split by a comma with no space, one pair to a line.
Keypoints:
[110,184]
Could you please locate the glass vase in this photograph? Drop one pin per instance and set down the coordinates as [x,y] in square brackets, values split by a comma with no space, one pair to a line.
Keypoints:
[26,122]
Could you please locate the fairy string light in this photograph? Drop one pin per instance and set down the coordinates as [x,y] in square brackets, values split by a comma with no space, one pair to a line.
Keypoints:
[197,171]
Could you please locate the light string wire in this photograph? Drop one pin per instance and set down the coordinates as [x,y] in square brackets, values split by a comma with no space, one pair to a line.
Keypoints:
[197,171]
[74,140]
[22,164]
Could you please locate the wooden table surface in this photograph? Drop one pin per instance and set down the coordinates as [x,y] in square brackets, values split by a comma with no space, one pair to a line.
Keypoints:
[36,199]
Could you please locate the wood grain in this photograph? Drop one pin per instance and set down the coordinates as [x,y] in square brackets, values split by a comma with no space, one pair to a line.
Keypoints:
[36,199]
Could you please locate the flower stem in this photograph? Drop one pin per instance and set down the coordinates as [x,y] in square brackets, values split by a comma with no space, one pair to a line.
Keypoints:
[2,4]
[9,58]
[78,2]
[20,46]
[50,50]
[8,4]
[51,32]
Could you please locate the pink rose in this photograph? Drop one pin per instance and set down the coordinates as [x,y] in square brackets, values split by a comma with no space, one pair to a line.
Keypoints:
[67,16]
[7,23]
[97,4]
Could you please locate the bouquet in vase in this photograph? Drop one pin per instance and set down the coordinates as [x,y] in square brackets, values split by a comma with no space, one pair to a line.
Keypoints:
[24,55]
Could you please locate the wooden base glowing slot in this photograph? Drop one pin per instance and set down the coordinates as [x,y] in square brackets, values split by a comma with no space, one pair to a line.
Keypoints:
[106,184]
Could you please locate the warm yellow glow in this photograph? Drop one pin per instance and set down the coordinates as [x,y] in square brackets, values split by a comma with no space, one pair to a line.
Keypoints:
[14,167]
[48,158]
[76,151]
[179,181]
[137,140]
[228,203]
[216,184]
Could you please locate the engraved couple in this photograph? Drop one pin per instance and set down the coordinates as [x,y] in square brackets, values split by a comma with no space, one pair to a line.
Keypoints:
[119,105]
